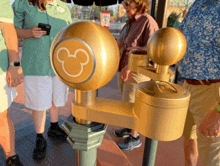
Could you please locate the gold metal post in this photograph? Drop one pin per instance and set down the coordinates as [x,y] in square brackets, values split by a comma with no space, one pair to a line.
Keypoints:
[136,59]
[161,69]
[84,99]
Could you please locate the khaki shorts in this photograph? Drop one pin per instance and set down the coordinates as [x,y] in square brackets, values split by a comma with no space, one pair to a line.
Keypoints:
[203,100]
[128,88]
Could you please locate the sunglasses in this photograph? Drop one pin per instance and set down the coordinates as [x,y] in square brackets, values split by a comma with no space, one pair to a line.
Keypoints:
[126,3]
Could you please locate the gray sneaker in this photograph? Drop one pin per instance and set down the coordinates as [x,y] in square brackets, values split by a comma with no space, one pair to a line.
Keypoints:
[122,132]
[130,143]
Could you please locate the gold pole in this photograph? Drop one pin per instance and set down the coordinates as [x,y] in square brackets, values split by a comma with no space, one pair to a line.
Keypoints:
[161,69]
[84,99]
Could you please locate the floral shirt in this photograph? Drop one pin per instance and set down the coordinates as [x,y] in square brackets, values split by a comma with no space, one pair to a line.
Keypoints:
[201,28]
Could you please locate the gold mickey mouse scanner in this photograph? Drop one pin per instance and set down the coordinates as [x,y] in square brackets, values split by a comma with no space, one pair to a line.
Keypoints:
[85,56]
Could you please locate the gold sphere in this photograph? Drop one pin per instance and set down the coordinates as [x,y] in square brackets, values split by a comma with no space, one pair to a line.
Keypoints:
[166,46]
[84,55]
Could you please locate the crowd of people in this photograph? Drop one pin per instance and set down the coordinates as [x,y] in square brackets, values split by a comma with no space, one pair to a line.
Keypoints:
[199,68]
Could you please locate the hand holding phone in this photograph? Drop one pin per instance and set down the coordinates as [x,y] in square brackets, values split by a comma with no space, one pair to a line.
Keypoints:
[45,27]
[37,32]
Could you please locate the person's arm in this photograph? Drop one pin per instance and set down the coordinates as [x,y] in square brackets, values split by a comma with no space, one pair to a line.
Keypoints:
[29,33]
[11,41]
[14,74]
[24,33]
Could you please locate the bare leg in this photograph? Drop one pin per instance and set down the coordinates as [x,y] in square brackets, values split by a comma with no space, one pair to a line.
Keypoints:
[7,136]
[134,133]
[54,113]
[39,118]
[190,151]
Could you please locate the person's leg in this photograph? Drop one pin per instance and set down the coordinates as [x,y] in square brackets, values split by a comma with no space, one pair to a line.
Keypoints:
[54,113]
[190,151]
[129,91]
[203,100]
[60,97]
[39,119]
[7,133]
[133,141]
[38,98]
[190,141]
[128,94]
[55,131]
[7,136]
[124,132]
[134,133]
[7,139]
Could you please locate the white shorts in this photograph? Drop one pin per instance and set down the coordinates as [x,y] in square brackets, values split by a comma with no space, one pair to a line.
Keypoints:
[40,91]
[7,94]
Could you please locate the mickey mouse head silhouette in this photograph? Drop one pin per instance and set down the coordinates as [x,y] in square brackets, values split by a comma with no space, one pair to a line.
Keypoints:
[77,59]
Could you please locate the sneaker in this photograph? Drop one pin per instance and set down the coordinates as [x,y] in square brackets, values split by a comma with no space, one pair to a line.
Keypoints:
[57,133]
[40,150]
[14,161]
[130,143]
[122,132]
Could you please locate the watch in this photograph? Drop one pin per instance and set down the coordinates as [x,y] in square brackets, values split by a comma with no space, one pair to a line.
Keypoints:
[218,108]
[16,63]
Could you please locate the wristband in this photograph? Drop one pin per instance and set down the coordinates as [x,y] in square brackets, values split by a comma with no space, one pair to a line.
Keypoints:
[218,108]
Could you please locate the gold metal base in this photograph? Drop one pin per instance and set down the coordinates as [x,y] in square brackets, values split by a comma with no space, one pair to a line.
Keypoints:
[84,99]
[163,124]
[107,111]
[151,73]
[136,60]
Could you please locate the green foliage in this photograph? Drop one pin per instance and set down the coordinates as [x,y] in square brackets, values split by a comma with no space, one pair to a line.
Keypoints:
[171,19]
[185,3]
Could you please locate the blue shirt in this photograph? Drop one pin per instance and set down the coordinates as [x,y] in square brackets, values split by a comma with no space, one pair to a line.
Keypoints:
[201,27]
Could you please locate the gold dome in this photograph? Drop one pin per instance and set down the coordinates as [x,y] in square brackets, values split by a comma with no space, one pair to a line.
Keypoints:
[84,55]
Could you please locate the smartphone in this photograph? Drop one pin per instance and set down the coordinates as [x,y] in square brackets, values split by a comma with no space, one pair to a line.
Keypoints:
[45,27]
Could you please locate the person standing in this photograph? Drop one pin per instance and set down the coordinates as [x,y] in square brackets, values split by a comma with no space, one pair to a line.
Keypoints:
[43,90]
[134,36]
[201,70]
[11,75]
